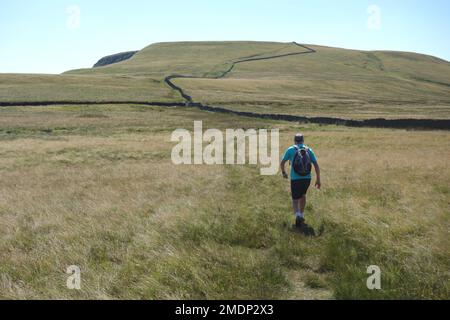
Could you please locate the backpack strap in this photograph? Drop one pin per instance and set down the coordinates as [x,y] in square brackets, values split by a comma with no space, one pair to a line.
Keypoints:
[304,147]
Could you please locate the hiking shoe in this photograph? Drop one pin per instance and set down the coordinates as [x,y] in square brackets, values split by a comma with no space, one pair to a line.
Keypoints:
[299,222]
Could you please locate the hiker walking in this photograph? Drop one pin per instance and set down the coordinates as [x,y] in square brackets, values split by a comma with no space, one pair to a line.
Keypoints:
[301,159]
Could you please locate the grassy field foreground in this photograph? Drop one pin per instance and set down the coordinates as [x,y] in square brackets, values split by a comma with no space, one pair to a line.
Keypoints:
[95,187]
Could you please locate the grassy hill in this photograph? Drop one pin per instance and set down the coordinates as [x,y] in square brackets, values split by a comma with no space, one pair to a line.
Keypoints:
[330,82]
[334,82]
[190,58]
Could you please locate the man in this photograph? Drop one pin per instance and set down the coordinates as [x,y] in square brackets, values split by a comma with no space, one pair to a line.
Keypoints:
[301,158]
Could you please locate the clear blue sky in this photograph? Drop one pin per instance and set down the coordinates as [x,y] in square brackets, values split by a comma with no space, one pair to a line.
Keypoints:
[43,36]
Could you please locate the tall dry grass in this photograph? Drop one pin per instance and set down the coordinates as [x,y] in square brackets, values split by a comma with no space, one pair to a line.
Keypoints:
[95,187]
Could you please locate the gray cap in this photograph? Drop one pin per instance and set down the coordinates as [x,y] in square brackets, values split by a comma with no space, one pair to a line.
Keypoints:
[299,138]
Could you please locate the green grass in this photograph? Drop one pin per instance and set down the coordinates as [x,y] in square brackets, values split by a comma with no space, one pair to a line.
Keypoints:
[331,82]
[79,88]
[191,58]
[334,82]
[94,186]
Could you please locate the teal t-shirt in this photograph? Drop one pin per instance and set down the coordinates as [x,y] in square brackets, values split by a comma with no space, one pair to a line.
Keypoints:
[289,156]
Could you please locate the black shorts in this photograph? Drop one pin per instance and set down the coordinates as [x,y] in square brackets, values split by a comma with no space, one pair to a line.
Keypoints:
[299,188]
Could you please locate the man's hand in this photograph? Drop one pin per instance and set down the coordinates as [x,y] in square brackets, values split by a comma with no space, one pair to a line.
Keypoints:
[285,175]
[318,184]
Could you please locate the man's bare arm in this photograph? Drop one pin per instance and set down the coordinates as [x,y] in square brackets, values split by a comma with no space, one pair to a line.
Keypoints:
[317,168]
[283,171]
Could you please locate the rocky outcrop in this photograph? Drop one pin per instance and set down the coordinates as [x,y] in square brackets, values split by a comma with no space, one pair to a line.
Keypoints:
[114,58]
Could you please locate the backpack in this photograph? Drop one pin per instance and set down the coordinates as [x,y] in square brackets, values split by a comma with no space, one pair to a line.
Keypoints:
[302,161]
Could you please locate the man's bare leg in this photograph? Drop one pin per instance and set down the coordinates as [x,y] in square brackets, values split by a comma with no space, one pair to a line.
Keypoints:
[296,206]
[298,212]
[302,204]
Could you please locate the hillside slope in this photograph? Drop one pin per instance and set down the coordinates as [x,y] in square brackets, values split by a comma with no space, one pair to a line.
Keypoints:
[334,82]
[79,88]
[330,82]
[192,58]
